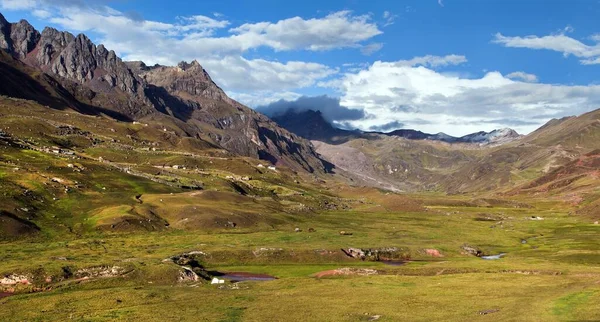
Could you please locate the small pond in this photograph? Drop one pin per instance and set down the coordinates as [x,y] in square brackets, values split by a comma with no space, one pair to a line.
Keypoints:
[493,257]
[244,276]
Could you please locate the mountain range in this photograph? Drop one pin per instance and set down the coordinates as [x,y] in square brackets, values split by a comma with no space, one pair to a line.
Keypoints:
[312,125]
[62,70]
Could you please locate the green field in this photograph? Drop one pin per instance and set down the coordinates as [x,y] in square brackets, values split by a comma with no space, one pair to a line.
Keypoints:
[551,271]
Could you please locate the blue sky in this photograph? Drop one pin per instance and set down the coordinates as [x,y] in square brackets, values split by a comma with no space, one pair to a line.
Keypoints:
[451,66]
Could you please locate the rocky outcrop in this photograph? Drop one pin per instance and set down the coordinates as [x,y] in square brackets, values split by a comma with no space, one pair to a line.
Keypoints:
[5,41]
[377,254]
[18,38]
[52,42]
[185,78]
[24,38]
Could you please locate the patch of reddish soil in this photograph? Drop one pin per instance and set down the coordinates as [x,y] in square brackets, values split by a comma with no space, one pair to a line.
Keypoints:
[433,253]
[5,294]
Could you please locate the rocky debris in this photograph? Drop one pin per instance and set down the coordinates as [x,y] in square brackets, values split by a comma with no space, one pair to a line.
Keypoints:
[486,312]
[233,286]
[187,259]
[377,254]
[187,275]
[346,271]
[15,279]
[190,262]
[263,251]
[472,250]
[355,253]
[99,272]
[433,252]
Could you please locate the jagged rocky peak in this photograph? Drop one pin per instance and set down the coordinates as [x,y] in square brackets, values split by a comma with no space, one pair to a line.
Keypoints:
[52,42]
[186,77]
[195,65]
[18,38]
[24,38]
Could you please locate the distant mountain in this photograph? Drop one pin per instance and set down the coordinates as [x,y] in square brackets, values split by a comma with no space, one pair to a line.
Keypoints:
[500,136]
[312,125]
[61,70]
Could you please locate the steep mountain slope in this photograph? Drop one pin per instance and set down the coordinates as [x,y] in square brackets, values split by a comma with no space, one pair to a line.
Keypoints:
[68,174]
[92,79]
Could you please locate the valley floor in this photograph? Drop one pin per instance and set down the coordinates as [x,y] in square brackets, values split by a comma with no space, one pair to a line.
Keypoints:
[551,270]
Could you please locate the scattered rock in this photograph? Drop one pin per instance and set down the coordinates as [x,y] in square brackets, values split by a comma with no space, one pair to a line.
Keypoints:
[99,271]
[187,275]
[355,253]
[377,254]
[14,279]
[486,312]
[433,252]
[263,251]
[346,271]
[472,250]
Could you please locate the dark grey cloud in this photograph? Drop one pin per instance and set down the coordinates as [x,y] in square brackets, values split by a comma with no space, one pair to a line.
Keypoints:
[394,125]
[329,107]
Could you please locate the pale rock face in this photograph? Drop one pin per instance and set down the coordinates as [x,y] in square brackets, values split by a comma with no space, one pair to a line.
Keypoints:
[24,38]
[52,42]
[5,41]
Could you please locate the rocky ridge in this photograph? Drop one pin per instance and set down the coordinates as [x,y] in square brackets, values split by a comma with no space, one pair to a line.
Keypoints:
[182,95]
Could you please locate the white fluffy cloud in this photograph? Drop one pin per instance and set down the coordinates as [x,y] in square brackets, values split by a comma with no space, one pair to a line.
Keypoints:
[530,78]
[337,30]
[422,98]
[207,39]
[588,54]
